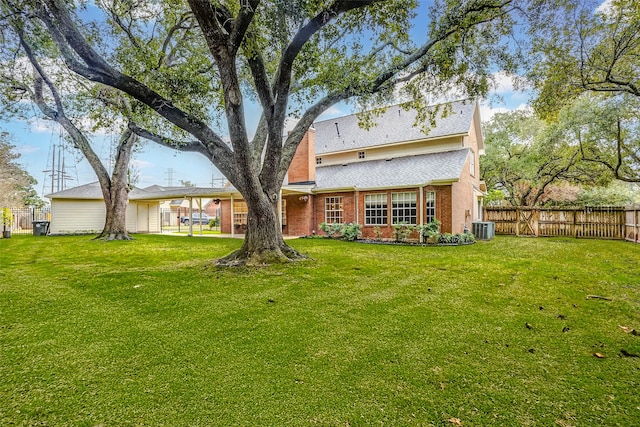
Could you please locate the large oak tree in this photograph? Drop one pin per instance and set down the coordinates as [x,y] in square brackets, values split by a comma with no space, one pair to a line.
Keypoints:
[30,76]
[593,63]
[528,160]
[196,63]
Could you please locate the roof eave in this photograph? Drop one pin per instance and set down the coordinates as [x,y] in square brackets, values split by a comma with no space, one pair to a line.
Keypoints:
[443,181]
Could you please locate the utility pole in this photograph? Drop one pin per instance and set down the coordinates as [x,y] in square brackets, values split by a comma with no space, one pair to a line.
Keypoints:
[214,181]
[170,177]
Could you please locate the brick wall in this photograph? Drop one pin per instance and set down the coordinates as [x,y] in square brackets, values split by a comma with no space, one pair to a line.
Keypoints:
[225,216]
[443,206]
[348,206]
[300,216]
[303,165]
[351,199]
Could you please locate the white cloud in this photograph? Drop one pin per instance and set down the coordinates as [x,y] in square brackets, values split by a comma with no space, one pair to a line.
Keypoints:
[502,83]
[487,111]
[290,123]
[141,164]
[606,7]
[39,125]
[26,149]
[332,112]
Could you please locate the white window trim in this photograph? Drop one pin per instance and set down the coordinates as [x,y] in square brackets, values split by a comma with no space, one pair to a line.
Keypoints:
[404,200]
[383,200]
[331,202]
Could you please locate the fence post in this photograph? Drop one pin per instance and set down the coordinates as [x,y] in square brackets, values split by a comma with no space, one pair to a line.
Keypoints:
[635,224]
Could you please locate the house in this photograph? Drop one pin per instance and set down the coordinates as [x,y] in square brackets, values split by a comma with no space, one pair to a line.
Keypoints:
[82,210]
[396,171]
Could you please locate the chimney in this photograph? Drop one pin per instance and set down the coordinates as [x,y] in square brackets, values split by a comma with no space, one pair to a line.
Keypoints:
[303,165]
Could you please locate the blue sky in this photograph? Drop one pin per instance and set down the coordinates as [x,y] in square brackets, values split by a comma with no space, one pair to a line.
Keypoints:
[34,141]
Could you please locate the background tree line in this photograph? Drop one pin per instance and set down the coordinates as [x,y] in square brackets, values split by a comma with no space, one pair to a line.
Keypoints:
[580,142]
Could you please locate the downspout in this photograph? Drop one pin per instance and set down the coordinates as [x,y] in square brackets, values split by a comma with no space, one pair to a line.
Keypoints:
[356,197]
[421,198]
[279,208]
[233,233]
[200,209]
[190,217]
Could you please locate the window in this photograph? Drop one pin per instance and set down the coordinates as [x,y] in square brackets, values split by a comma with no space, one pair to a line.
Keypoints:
[240,213]
[375,209]
[283,212]
[431,206]
[333,210]
[361,154]
[403,207]
[472,163]
[318,160]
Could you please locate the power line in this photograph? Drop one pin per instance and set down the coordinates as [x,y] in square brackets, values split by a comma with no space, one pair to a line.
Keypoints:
[169,174]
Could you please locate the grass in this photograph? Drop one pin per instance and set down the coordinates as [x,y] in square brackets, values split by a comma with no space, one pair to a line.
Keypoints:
[150,333]
[196,231]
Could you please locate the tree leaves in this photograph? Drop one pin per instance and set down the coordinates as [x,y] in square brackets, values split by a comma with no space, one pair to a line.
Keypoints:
[526,157]
[16,185]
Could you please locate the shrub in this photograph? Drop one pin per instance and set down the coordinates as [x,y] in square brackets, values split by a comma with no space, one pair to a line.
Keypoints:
[401,231]
[7,218]
[351,231]
[447,238]
[214,222]
[456,239]
[331,229]
[467,238]
[430,229]
[378,232]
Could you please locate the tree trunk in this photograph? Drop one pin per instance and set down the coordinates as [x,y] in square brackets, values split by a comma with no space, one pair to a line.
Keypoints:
[263,243]
[115,224]
[116,191]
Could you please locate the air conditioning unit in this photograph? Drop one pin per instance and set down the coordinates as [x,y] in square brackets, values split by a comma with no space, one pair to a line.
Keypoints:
[483,230]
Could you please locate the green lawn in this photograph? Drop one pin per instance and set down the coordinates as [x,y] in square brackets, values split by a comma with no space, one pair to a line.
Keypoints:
[150,333]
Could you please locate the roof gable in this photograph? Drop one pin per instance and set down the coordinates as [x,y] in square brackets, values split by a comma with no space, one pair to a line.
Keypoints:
[394,126]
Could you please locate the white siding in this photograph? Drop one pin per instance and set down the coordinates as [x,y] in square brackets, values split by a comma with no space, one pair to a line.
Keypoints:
[88,216]
[399,150]
[154,217]
[143,217]
[77,216]
[132,218]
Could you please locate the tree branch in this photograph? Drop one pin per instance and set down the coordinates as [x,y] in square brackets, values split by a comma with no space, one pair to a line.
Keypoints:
[95,68]
[190,146]
[242,22]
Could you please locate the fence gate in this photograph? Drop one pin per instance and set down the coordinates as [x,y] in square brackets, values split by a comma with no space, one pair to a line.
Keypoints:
[632,224]
[23,219]
[590,222]
[526,222]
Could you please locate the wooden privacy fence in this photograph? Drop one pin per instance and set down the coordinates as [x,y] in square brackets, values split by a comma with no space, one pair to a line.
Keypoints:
[590,222]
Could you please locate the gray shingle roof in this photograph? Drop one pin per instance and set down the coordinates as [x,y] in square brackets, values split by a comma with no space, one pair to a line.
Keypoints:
[398,172]
[92,191]
[89,191]
[395,125]
[166,193]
